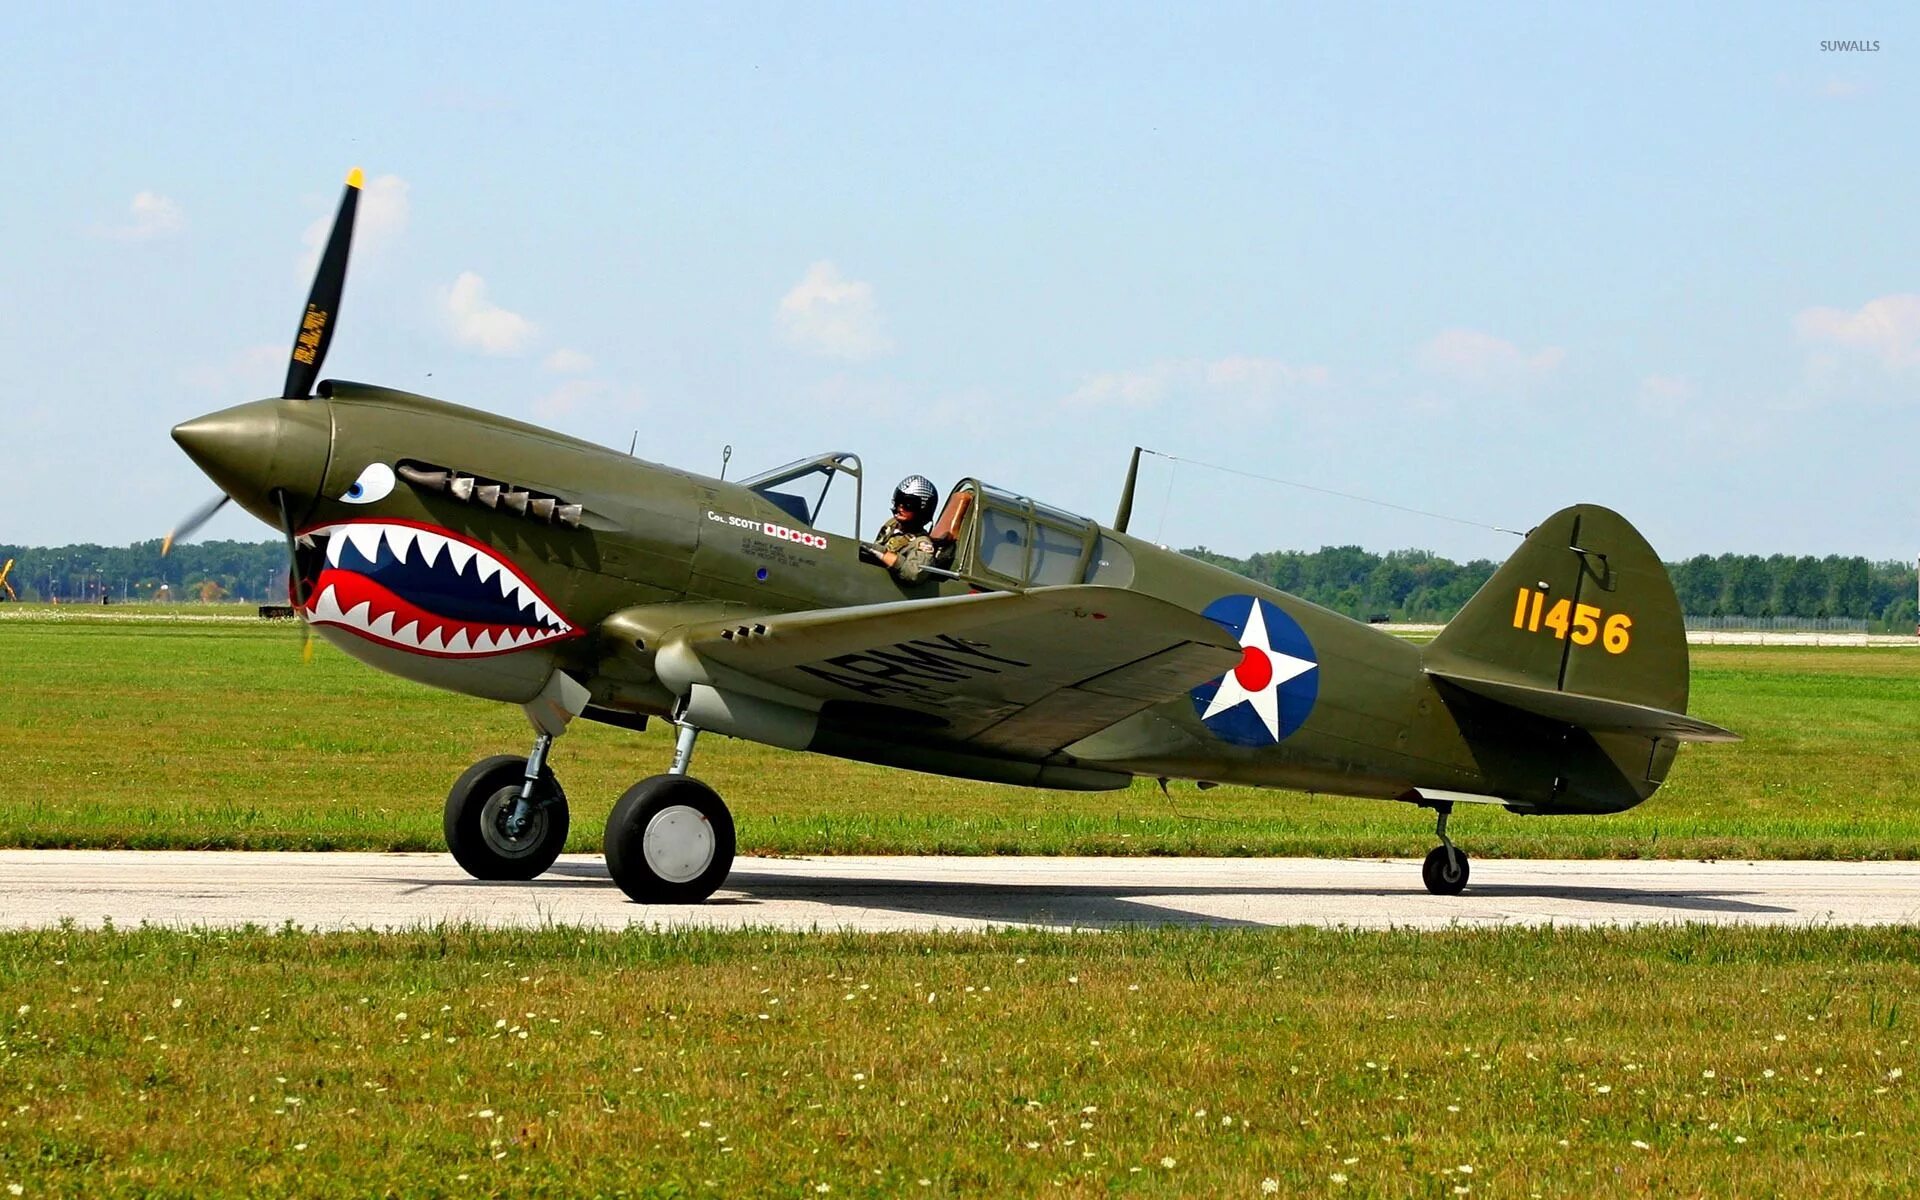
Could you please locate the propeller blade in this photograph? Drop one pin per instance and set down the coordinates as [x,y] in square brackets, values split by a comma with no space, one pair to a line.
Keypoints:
[323,303]
[293,554]
[191,525]
[293,576]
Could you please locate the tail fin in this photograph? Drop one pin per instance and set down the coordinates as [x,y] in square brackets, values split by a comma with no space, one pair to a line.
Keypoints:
[1579,628]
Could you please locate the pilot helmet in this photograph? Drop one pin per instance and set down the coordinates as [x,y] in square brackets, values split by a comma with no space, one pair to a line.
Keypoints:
[916,494]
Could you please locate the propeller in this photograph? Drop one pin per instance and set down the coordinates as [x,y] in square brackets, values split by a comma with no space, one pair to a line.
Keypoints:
[191,524]
[293,571]
[323,302]
[310,343]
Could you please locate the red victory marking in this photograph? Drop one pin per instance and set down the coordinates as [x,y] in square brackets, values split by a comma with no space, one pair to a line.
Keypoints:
[1255,671]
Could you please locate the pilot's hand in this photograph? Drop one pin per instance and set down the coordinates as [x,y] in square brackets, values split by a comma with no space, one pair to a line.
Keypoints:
[870,553]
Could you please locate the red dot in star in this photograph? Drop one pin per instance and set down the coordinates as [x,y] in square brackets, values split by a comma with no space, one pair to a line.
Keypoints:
[1255,671]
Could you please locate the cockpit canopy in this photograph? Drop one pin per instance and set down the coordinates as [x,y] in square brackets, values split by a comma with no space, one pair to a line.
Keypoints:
[1002,538]
[997,538]
[801,488]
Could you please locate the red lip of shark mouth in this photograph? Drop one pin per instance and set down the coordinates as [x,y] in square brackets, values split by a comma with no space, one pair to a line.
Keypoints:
[427,590]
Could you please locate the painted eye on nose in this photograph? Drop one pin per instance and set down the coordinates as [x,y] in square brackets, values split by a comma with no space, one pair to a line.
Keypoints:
[374,484]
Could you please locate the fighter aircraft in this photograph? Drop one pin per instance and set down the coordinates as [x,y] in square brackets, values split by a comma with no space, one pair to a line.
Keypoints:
[497,559]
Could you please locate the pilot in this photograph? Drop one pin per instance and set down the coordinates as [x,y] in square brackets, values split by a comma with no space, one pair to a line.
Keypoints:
[903,545]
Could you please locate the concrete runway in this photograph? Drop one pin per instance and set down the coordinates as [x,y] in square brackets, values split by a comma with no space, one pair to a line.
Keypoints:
[399,891]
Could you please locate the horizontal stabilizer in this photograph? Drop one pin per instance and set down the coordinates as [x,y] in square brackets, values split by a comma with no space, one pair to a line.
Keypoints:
[1591,712]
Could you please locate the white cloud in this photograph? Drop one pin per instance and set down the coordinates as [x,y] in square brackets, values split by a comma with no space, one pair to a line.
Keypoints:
[568,362]
[1250,378]
[479,323]
[378,222]
[1480,358]
[150,215]
[1888,328]
[833,316]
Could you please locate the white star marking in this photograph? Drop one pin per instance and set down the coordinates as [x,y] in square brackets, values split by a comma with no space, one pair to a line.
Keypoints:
[1265,700]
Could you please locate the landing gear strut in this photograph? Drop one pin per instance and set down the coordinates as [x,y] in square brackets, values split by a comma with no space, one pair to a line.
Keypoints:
[1445,871]
[669,839]
[506,818]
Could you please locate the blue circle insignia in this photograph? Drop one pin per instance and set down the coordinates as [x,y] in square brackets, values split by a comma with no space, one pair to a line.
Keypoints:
[1272,691]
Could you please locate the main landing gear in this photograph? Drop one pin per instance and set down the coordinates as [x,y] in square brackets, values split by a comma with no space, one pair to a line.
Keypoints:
[506,818]
[669,839]
[1445,871]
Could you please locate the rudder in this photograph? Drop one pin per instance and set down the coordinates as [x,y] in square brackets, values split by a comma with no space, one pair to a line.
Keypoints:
[1584,606]
[1567,671]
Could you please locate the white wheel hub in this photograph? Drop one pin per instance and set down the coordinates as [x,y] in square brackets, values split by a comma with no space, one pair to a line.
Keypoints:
[678,844]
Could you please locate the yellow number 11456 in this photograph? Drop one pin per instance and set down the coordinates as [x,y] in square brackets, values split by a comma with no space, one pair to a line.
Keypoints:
[1584,623]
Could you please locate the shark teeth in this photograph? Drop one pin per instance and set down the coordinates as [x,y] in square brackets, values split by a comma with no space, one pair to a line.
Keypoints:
[439,553]
[406,543]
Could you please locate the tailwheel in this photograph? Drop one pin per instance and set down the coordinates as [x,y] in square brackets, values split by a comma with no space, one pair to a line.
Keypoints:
[1445,871]
[499,828]
[669,841]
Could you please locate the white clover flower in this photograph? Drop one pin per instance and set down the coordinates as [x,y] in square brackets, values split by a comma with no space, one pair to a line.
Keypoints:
[1269,1186]
[1168,1162]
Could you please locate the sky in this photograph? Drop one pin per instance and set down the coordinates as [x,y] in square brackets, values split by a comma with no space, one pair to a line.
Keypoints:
[1479,261]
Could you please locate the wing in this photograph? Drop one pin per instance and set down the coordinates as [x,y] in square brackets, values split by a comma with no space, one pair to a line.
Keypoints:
[1015,674]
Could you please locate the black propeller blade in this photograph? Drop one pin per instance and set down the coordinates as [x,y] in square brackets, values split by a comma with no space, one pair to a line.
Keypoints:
[293,553]
[323,303]
[194,520]
[293,574]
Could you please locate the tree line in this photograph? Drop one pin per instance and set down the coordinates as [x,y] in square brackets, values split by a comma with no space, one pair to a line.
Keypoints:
[87,573]
[1414,585]
[1401,585]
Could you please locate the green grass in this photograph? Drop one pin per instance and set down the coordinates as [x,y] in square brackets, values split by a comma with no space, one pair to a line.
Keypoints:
[149,732]
[1674,1061]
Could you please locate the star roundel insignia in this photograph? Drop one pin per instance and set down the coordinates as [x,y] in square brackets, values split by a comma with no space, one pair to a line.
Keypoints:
[1270,693]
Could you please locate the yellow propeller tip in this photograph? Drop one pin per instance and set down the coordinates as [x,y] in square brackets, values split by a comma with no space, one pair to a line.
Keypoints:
[355,178]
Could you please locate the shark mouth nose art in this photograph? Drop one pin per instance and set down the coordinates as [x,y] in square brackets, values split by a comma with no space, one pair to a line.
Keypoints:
[426,590]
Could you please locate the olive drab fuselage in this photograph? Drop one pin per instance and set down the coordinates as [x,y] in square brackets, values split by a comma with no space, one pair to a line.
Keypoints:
[657,547]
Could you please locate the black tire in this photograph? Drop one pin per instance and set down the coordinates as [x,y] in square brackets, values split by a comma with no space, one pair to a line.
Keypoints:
[693,842]
[1444,872]
[478,804]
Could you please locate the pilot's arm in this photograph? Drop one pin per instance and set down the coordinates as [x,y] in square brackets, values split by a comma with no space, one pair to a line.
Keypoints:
[903,553]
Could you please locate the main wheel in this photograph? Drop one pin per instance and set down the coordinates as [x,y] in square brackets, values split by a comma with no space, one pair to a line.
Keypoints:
[479,826]
[669,841]
[1445,871]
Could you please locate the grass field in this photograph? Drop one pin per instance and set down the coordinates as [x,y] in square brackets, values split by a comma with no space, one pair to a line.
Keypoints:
[150,732]
[1220,1063]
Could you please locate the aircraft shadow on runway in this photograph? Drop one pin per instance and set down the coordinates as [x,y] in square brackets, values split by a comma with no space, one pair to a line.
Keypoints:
[1120,903]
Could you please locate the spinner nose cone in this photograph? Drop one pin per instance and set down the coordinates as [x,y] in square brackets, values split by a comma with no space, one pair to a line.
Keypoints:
[254,450]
